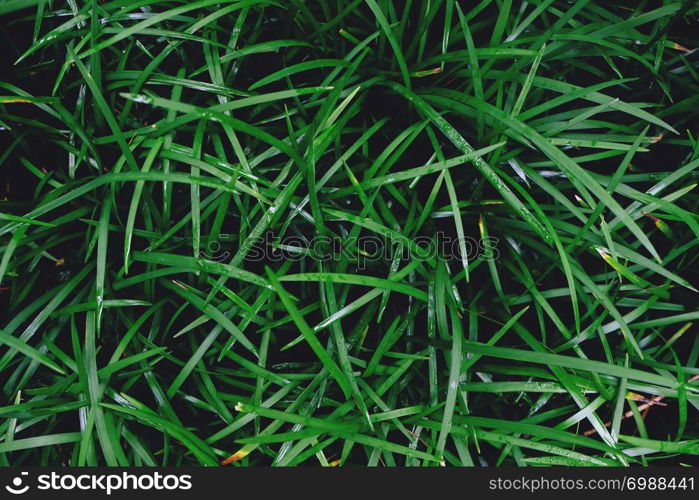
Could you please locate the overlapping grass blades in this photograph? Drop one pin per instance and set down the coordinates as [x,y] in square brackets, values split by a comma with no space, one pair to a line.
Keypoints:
[332,232]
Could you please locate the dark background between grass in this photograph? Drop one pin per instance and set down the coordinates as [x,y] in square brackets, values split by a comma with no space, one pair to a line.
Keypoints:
[182,358]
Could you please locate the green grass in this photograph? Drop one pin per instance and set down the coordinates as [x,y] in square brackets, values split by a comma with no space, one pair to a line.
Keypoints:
[223,227]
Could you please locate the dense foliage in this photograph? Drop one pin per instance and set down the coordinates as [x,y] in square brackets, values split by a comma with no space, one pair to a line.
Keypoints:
[360,232]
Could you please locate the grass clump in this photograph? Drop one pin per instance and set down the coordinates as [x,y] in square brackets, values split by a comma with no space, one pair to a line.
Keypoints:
[366,232]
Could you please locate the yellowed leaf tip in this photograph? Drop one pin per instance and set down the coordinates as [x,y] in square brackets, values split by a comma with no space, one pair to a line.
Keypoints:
[240,454]
[679,47]
[13,99]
